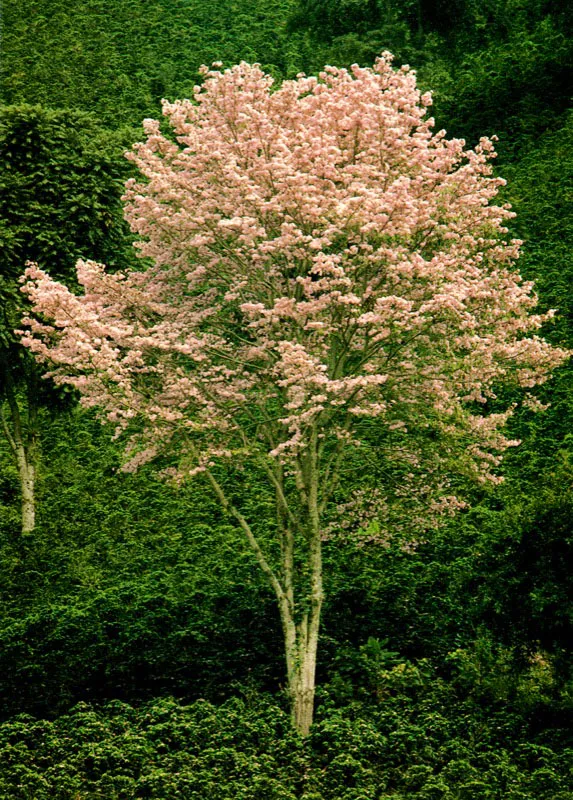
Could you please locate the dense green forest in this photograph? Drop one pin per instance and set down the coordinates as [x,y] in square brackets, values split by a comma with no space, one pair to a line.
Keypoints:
[140,647]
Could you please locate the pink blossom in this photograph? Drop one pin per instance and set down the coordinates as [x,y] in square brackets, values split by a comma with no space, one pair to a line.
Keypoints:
[318,255]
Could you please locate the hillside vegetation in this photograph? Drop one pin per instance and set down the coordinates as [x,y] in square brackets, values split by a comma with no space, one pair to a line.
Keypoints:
[140,647]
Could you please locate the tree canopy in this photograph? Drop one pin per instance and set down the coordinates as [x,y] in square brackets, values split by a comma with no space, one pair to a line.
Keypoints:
[319,257]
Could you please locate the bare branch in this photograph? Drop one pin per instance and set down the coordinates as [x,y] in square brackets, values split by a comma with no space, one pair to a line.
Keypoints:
[246,528]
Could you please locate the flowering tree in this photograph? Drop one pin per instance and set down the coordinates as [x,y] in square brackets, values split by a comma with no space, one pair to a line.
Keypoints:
[319,263]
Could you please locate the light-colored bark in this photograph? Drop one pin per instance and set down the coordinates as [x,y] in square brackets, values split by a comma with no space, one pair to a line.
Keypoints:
[22,442]
[299,593]
[302,684]
[304,689]
[27,473]
[301,646]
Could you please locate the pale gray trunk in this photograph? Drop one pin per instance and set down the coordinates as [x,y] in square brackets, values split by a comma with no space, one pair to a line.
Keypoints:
[22,441]
[27,473]
[299,593]
[302,672]
[301,640]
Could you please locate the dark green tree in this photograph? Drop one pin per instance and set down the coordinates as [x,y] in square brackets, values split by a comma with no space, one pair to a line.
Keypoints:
[60,188]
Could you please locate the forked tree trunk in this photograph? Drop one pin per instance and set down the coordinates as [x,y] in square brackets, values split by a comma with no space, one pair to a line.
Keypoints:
[301,640]
[302,674]
[299,589]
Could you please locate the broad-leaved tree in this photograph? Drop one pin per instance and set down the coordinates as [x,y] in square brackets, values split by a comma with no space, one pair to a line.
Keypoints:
[60,189]
[322,272]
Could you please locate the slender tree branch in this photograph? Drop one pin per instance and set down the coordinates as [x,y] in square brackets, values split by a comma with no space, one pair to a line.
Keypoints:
[287,549]
[246,528]
[331,477]
[7,432]
[18,438]
[279,490]
[299,480]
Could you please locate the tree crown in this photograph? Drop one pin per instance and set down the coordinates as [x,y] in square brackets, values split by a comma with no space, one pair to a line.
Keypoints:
[317,256]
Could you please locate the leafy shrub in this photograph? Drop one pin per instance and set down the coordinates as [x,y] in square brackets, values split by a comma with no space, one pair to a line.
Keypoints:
[426,744]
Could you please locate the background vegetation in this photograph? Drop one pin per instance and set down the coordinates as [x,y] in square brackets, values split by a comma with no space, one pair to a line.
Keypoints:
[447,670]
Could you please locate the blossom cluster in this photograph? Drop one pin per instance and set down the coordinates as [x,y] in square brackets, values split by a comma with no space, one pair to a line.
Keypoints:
[316,253]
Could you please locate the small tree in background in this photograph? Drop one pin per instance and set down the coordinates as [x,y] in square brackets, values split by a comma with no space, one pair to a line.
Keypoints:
[325,274]
[60,189]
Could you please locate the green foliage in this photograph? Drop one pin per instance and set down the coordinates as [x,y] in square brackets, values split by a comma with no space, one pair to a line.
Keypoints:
[128,588]
[61,180]
[344,32]
[428,745]
[160,751]
[540,188]
[446,668]
[119,59]
[516,86]
[519,581]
